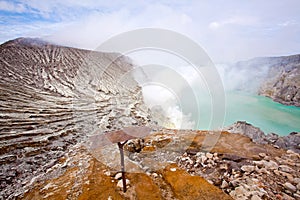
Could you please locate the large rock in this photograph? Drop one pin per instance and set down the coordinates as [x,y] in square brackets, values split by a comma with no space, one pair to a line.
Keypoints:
[247,129]
[291,141]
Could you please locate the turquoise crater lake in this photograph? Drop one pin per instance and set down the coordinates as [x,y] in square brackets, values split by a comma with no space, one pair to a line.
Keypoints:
[262,112]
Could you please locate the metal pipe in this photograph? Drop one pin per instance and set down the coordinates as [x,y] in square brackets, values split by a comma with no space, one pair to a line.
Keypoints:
[122,164]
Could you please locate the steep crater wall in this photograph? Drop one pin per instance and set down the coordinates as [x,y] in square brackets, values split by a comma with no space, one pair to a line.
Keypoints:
[53,97]
[274,77]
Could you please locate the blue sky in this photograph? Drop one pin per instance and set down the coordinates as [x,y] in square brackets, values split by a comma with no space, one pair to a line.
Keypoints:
[229,30]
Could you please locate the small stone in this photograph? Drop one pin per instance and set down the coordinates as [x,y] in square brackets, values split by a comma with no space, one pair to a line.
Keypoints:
[290,187]
[109,198]
[148,173]
[290,151]
[215,158]
[173,169]
[216,155]
[255,197]
[240,191]
[256,157]
[120,183]
[248,168]
[279,160]
[224,166]
[290,178]
[224,184]
[276,172]
[118,176]
[155,175]
[290,161]
[296,180]
[298,186]
[268,158]
[286,168]
[199,154]
[270,165]
[183,158]
[264,171]
[262,155]
[236,175]
[209,155]
[259,163]
[107,173]
[203,159]
[190,161]
[297,196]
[286,196]
[287,175]
[234,183]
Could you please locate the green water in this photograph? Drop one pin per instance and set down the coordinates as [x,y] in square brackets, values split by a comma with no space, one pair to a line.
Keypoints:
[262,112]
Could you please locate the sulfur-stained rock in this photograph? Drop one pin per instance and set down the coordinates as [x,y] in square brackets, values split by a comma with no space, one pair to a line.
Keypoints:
[191,187]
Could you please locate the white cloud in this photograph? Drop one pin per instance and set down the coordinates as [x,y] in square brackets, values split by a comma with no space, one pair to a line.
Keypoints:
[95,28]
[214,25]
[237,20]
[288,23]
[230,31]
[12,7]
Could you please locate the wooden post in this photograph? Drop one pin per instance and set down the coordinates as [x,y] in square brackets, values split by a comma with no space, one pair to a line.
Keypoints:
[122,164]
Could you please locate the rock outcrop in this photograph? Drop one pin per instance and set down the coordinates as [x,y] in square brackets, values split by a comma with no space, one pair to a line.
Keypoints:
[291,141]
[283,81]
[52,98]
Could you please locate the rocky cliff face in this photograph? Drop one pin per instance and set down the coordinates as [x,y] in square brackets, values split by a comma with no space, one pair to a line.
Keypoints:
[283,81]
[51,98]
[274,77]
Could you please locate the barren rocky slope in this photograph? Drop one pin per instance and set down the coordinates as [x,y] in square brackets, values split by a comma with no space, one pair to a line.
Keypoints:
[51,98]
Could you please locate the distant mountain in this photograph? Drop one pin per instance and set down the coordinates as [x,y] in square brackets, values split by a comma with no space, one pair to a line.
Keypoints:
[274,77]
[51,98]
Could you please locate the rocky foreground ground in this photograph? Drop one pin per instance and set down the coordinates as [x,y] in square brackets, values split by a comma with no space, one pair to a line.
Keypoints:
[54,99]
[160,168]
